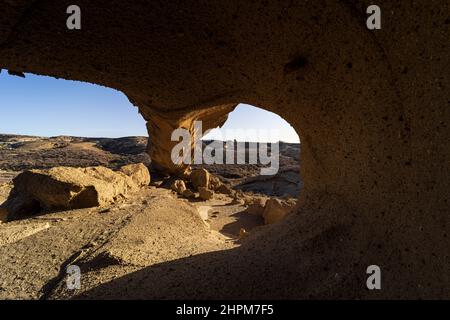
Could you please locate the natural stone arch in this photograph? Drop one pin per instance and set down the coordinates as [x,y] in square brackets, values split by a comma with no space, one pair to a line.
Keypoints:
[370,109]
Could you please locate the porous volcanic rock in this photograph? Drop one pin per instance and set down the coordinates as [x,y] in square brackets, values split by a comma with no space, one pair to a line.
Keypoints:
[371,108]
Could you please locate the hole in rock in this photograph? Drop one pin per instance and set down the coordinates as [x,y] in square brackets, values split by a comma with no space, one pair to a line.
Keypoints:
[246,133]
[51,122]
[248,129]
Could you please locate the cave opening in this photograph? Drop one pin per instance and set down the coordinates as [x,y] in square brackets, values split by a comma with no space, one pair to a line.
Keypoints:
[257,154]
[62,123]
[251,132]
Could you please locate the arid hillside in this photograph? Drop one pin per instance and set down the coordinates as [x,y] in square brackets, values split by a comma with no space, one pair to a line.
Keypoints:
[18,153]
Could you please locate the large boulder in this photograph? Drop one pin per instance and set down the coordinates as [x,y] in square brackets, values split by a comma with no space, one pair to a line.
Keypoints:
[200,178]
[276,210]
[138,172]
[63,188]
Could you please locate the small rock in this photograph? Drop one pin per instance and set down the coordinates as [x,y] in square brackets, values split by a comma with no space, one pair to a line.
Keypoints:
[276,209]
[178,186]
[214,182]
[200,178]
[205,193]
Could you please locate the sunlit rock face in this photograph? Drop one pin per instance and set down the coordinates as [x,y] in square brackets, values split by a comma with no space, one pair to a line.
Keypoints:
[65,188]
[371,109]
[160,128]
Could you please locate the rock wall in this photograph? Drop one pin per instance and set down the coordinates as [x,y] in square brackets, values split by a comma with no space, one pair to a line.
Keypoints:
[371,109]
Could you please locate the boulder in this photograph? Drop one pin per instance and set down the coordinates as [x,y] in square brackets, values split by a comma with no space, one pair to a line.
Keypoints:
[63,188]
[178,186]
[138,172]
[200,178]
[205,193]
[275,210]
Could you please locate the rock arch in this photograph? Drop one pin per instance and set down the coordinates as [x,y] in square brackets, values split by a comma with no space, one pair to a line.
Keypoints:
[371,109]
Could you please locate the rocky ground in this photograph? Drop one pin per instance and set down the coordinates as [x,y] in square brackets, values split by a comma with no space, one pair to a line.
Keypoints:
[154,225]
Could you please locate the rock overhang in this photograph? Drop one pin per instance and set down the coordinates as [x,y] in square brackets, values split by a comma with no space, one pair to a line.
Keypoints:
[373,136]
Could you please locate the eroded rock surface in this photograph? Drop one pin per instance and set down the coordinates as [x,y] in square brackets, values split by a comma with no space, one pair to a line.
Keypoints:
[370,107]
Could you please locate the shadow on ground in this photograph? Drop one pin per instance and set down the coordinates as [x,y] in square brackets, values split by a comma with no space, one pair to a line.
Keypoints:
[272,265]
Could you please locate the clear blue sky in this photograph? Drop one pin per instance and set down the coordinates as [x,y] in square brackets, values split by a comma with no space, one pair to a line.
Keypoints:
[45,106]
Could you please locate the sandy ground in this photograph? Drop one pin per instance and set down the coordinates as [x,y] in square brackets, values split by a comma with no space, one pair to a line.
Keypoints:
[147,229]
